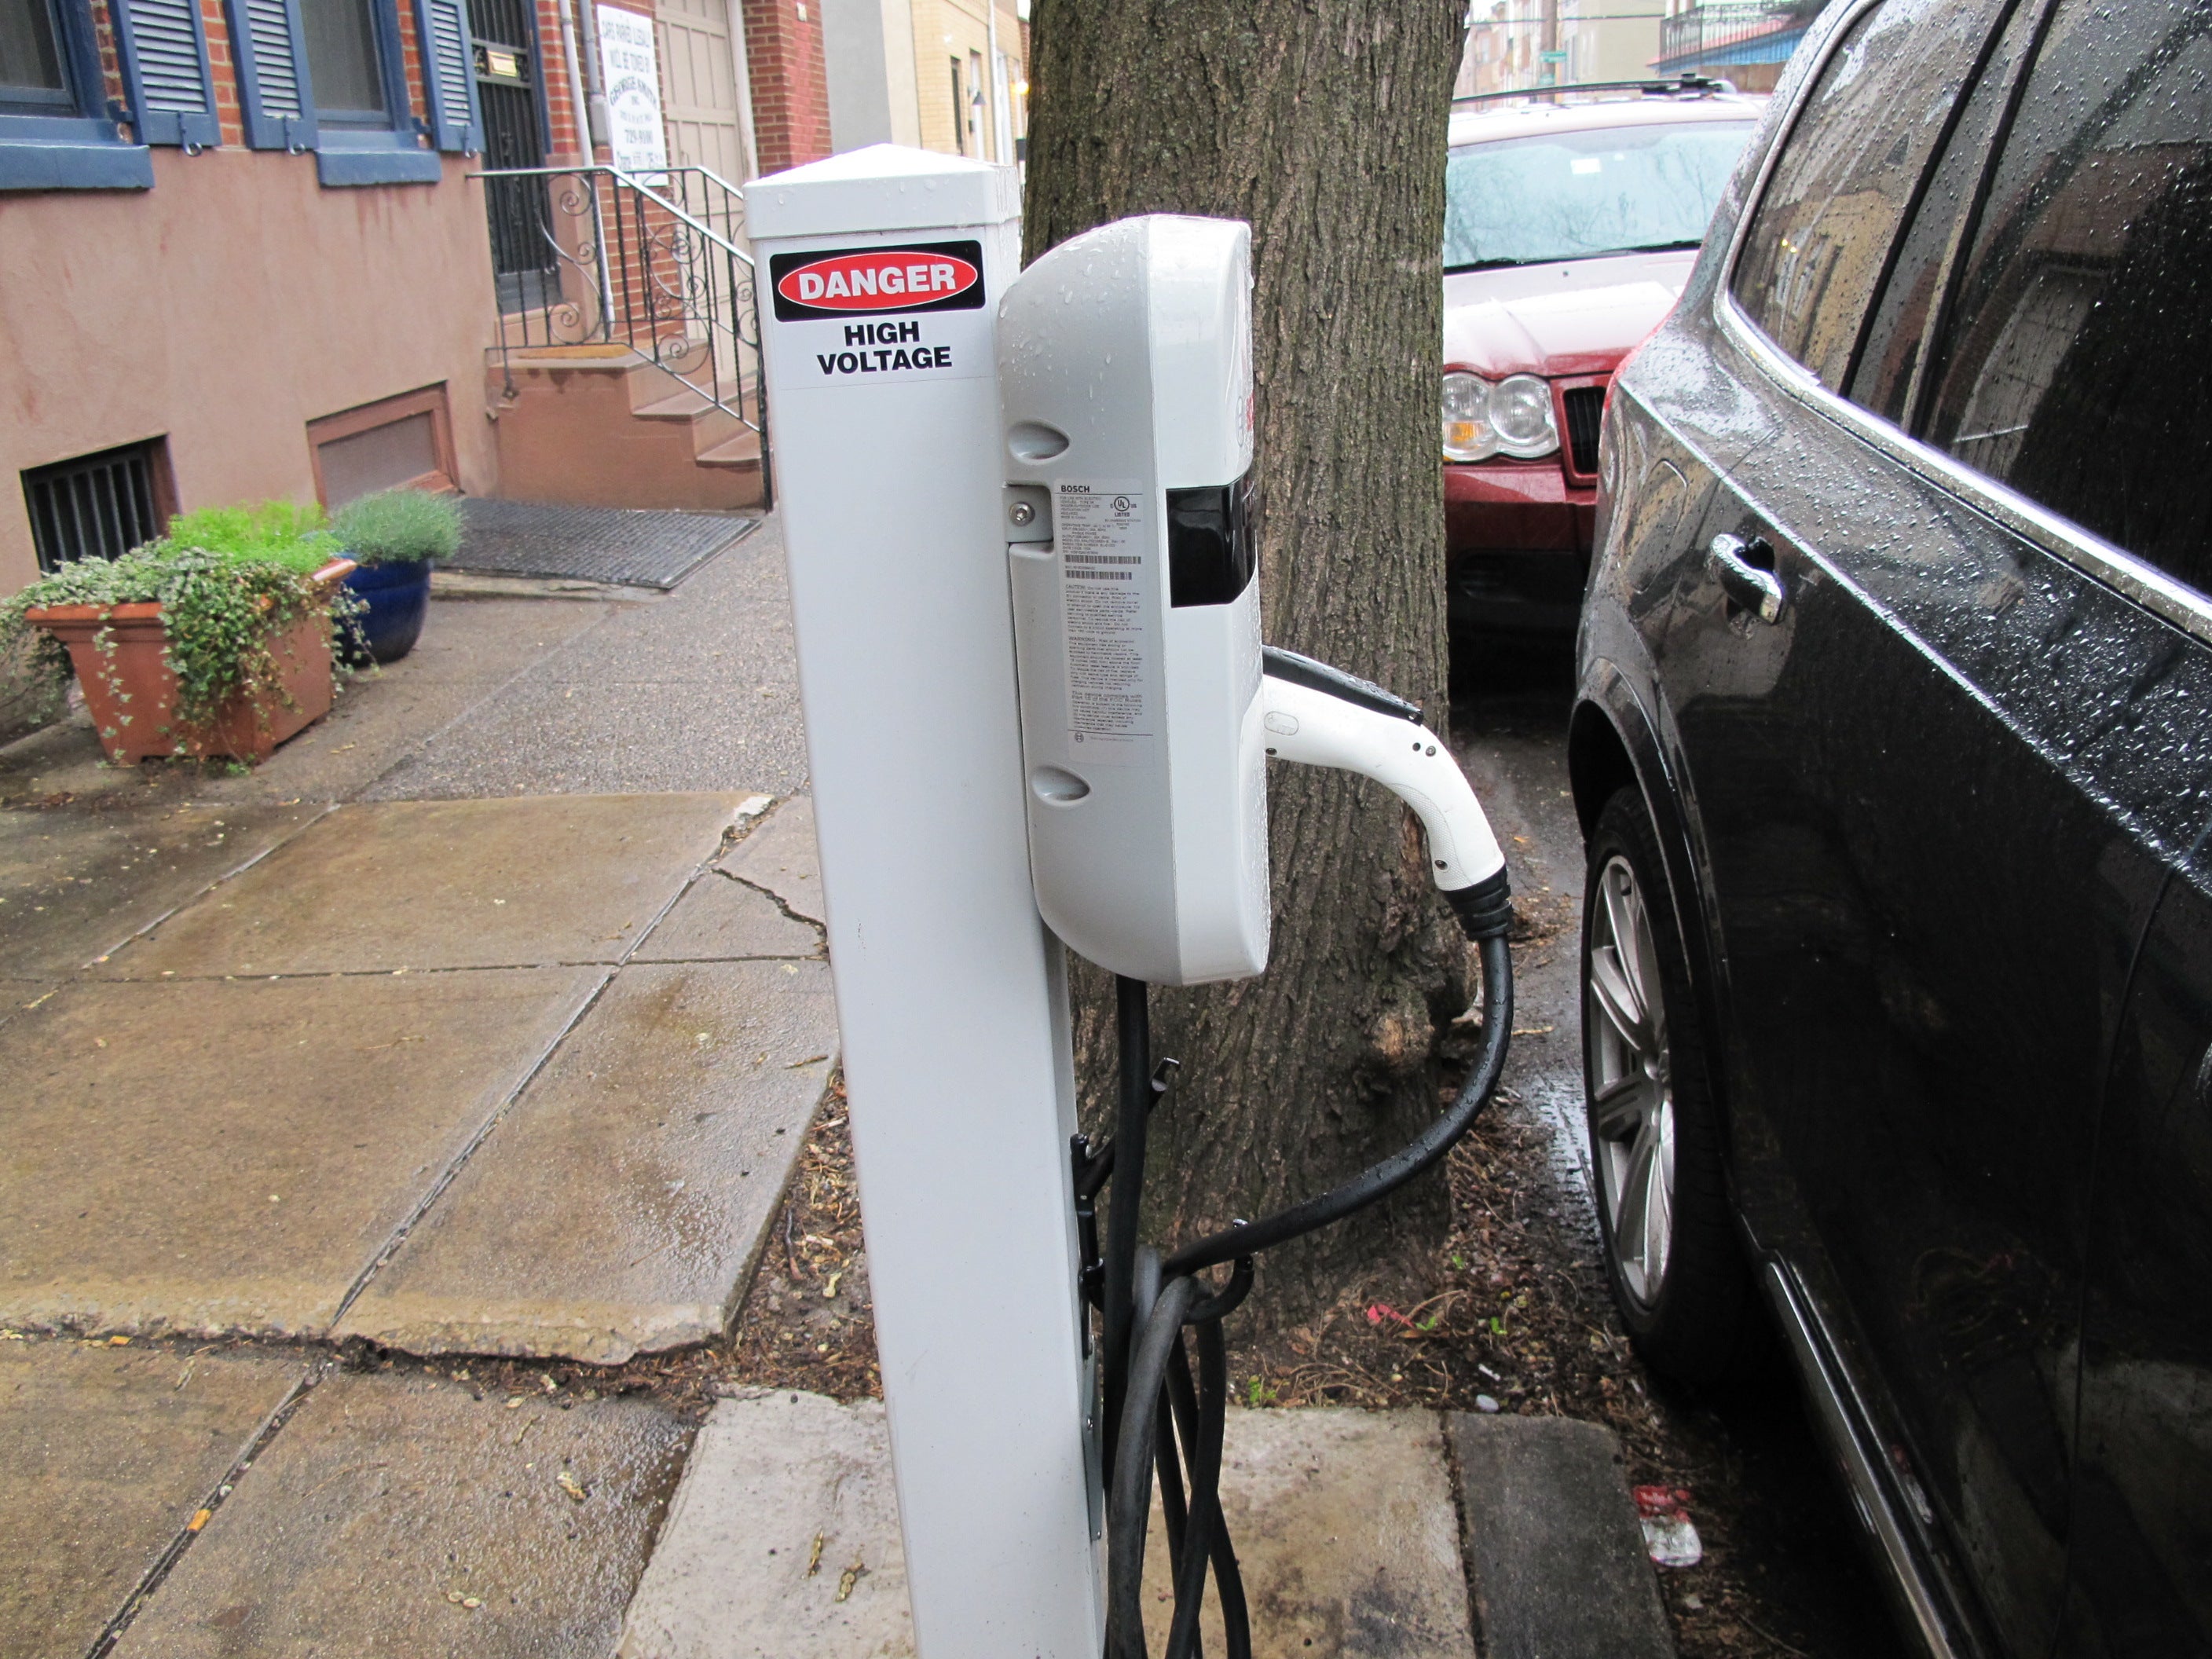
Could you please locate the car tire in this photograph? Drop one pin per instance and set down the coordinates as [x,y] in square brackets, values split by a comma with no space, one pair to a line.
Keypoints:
[1672,1254]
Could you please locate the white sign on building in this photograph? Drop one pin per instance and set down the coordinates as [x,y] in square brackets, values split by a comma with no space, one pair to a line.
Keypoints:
[630,68]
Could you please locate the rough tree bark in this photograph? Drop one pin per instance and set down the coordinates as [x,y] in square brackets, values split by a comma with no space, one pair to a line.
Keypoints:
[1321,123]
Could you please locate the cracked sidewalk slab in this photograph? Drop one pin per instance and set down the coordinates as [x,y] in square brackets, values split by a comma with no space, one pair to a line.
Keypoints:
[720,918]
[106,1454]
[622,1204]
[1343,1521]
[407,1513]
[779,859]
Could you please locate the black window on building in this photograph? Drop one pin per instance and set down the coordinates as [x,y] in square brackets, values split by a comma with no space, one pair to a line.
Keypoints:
[342,60]
[32,80]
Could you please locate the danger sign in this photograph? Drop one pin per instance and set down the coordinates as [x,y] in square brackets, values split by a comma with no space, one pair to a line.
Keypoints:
[929,277]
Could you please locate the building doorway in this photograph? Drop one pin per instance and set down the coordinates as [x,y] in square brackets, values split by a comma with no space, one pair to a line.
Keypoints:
[699,88]
[510,94]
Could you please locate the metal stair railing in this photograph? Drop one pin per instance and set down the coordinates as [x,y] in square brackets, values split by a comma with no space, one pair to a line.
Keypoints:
[593,256]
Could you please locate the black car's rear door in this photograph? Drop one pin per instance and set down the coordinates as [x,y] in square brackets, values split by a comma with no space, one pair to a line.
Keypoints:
[2142,1557]
[2074,367]
[1936,771]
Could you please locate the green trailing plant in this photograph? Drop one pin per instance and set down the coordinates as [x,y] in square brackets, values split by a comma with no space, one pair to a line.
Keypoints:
[399,526]
[227,580]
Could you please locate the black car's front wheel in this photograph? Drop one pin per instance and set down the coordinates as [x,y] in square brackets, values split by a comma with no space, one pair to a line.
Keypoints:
[1676,1270]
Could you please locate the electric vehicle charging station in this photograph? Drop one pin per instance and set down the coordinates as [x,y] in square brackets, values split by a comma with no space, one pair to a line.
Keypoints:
[1039,713]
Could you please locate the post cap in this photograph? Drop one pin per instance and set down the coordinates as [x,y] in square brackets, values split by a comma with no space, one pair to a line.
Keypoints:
[882,187]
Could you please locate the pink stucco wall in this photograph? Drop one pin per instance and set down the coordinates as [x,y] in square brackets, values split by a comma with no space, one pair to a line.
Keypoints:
[227,307]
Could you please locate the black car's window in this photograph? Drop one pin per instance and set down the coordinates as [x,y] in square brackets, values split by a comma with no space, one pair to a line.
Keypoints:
[1578,195]
[1847,174]
[2074,362]
[1890,353]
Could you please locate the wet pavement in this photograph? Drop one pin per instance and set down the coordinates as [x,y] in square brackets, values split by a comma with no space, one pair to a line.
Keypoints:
[626,1197]
[107,1454]
[200,1157]
[416,1516]
[420,1038]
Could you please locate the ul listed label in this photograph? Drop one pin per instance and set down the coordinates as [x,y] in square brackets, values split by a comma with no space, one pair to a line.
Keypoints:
[1109,611]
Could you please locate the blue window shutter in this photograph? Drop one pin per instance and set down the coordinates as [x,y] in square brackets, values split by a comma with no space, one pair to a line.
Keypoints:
[162,48]
[441,33]
[271,49]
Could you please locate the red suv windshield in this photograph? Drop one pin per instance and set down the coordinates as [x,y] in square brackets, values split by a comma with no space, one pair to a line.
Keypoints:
[1579,195]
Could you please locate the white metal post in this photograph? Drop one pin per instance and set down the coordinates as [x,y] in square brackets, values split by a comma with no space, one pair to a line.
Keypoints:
[881,272]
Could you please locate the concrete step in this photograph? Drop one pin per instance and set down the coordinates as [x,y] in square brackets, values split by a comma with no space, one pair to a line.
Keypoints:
[711,425]
[783,1539]
[569,431]
[602,358]
[681,404]
[741,452]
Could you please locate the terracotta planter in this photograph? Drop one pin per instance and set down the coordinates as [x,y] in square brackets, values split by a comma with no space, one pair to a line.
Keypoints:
[248,728]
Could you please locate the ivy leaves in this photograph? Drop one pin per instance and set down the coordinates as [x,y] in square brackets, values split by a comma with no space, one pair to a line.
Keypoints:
[218,613]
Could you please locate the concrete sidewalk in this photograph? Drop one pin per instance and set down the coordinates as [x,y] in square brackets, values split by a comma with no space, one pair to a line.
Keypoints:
[489,1018]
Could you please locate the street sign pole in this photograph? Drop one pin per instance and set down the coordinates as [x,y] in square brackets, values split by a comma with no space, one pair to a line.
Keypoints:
[879,277]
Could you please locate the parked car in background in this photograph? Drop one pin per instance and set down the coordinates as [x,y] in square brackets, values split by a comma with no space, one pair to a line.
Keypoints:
[1571,223]
[1893,745]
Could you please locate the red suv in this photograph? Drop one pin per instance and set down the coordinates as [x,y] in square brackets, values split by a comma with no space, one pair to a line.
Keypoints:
[1571,225]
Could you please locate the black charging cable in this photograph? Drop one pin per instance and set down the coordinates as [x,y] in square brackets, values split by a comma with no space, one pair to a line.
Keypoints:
[1159,1419]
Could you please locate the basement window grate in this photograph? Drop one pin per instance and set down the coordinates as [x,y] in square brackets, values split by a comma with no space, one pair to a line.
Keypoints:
[96,507]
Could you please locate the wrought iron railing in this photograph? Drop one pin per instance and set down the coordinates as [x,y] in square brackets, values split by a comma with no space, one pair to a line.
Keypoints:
[586,256]
[1709,28]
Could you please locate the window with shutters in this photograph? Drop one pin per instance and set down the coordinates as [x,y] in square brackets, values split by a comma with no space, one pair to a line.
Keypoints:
[328,76]
[57,131]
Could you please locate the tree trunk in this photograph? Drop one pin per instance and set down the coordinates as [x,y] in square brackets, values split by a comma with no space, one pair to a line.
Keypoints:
[1323,124]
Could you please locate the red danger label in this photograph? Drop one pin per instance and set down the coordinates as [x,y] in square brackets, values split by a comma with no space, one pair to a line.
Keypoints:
[934,276]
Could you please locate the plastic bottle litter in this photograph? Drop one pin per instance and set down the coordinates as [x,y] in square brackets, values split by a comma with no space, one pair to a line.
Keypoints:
[1669,1537]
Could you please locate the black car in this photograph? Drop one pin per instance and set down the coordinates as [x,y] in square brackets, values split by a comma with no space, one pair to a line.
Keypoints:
[1892,744]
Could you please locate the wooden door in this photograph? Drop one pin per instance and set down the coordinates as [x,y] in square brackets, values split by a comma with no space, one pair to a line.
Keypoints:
[699,87]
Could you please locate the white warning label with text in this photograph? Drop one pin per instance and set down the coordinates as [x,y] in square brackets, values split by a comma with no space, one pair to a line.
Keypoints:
[1108,607]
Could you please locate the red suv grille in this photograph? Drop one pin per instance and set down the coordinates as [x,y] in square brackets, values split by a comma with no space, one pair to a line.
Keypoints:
[1585,407]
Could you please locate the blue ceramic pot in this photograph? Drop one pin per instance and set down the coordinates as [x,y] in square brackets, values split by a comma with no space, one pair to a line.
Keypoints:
[396,596]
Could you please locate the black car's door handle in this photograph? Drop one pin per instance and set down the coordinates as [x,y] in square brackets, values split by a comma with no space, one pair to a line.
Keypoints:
[1745,570]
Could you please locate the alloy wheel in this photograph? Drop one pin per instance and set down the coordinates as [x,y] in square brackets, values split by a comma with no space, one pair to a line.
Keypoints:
[1632,1101]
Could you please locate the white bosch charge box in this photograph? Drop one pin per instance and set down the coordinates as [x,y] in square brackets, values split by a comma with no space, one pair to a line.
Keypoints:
[1125,392]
